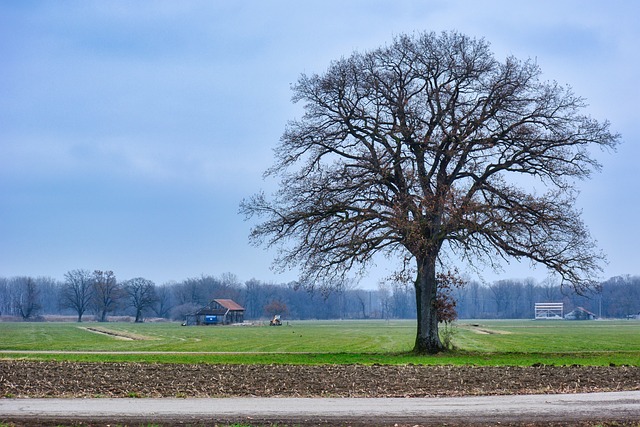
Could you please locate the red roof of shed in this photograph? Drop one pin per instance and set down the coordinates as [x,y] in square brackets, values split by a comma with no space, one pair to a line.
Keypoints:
[229,304]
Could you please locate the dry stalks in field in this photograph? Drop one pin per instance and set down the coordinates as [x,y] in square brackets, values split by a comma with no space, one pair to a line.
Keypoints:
[21,378]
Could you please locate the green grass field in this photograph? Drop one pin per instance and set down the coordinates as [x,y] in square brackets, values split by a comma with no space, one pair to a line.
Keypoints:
[482,342]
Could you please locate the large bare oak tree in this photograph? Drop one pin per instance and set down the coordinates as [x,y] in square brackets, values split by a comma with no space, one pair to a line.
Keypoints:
[430,146]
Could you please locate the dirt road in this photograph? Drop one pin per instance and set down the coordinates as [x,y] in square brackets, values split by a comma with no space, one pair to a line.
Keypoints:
[560,409]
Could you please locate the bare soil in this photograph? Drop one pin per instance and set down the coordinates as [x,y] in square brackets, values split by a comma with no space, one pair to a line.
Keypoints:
[20,378]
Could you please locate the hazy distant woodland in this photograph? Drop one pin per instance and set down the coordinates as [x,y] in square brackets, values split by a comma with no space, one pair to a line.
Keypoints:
[35,298]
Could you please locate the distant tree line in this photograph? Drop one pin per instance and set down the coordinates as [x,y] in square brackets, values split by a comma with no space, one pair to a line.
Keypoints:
[617,297]
[98,295]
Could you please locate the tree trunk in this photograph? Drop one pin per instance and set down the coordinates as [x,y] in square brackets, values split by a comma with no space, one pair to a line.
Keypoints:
[427,338]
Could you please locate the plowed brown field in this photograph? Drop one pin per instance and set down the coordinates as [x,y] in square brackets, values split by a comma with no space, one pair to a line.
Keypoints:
[19,378]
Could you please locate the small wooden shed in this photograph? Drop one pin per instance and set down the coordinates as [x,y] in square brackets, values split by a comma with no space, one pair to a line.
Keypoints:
[217,312]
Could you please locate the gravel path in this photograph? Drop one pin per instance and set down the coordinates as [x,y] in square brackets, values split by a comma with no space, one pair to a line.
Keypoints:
[619,408]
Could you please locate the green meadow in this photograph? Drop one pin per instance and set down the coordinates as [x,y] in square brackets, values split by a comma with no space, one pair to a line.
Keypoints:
[481,342]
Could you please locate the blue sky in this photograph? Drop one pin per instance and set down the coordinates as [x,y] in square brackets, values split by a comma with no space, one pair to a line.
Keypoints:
[130,131]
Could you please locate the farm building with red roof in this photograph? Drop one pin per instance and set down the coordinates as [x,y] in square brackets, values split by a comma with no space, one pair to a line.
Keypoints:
[217,312]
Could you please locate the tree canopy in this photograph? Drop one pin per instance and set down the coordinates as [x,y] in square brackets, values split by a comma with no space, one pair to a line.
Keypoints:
[426,146]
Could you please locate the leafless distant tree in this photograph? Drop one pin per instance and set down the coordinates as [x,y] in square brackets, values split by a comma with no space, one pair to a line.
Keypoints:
[162,305]
[5,297]
[26,297]
[106,293]
[141,294]
[431,146]
[77,291]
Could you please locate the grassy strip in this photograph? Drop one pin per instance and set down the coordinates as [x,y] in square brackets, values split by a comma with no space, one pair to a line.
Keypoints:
[448,358]
[297,337]
[489,343]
